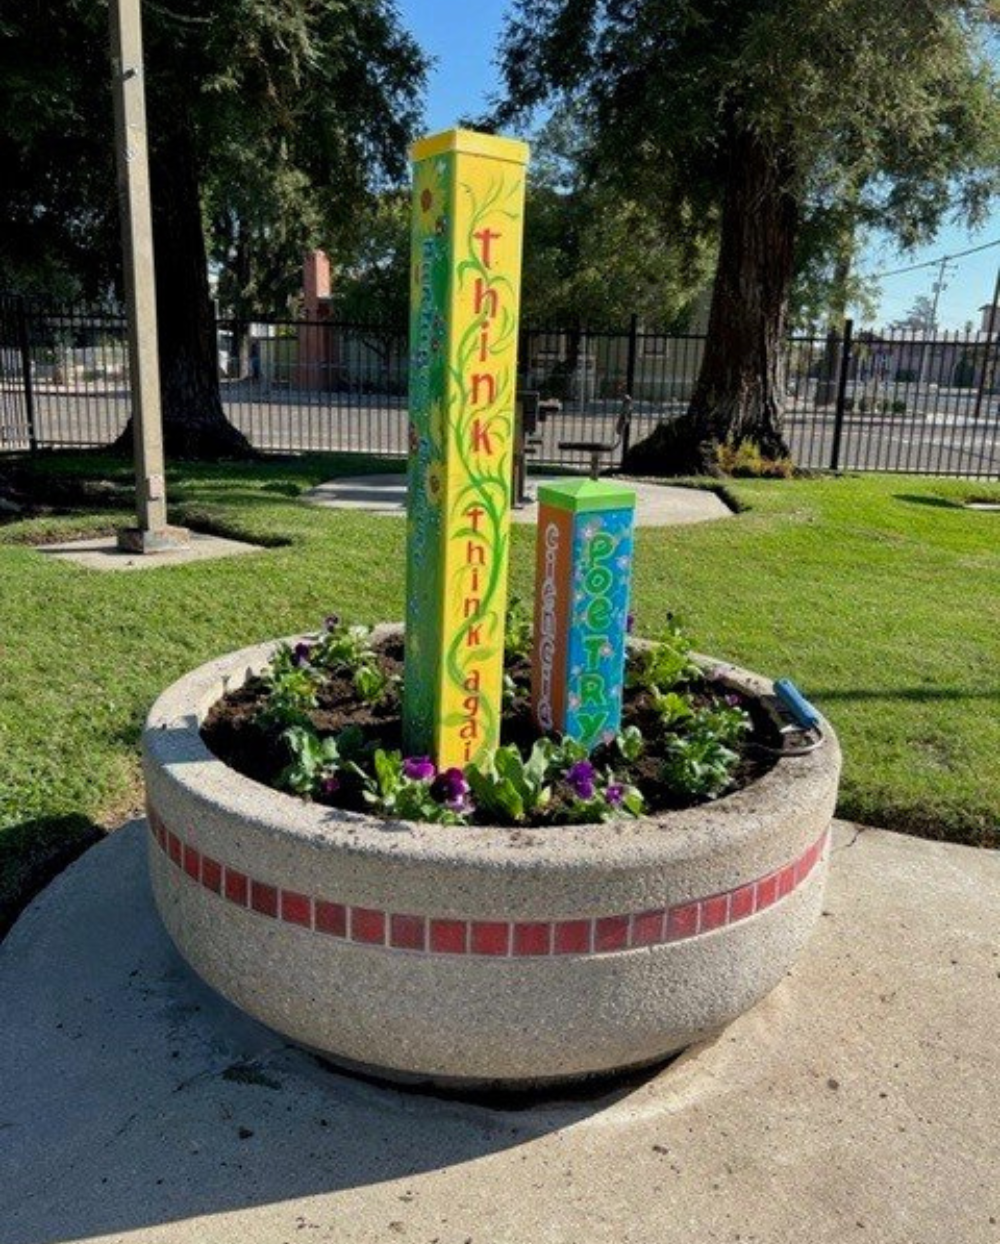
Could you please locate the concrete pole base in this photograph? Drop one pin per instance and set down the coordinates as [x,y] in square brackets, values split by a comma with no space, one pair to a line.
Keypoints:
[154,540]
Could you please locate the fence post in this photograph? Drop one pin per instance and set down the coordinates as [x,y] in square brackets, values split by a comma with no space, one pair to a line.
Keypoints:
[633,352]
[24,341]
[838,422]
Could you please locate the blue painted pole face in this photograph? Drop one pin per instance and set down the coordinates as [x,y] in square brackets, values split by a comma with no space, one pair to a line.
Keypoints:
[601,576]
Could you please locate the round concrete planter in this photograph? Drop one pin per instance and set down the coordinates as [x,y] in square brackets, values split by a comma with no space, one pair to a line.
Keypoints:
[479,955]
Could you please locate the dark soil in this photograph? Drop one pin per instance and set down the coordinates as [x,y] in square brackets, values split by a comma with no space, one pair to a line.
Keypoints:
[233,733]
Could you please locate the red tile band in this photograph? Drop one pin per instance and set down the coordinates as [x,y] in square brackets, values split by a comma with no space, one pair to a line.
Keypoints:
[592,935]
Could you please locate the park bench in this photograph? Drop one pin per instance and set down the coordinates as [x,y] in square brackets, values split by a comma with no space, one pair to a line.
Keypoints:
[600,450]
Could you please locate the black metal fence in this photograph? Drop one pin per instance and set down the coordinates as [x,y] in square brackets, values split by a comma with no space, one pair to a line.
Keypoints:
[859,400]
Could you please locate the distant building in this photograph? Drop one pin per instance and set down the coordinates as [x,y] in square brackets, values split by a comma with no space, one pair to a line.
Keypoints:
[908,355]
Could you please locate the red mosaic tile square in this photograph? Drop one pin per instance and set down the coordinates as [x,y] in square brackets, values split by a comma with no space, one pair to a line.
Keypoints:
[174,848]
[264,898]
[786,880]
[490,937]
[610,933]
[237,887]
[368,925]
[449,937]
[647,927]
[211,874]
[408,932]
[192,862]
[767,891]
[743,902]
[805,864]
[571,937]
[682,921]
[714,912]
[296,908]
[331,918]
[532,937]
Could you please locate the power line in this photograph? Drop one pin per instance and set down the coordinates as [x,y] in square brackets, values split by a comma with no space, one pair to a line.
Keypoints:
[932,263]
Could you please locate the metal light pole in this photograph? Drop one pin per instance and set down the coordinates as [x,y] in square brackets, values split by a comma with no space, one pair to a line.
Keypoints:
[152,534]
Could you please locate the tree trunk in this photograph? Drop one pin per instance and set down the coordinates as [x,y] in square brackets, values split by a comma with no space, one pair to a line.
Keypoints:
[194,424]
[739,394]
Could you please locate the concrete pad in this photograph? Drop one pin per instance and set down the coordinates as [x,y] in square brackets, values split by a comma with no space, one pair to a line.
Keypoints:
[858,1102]
[657,505]
[103,553]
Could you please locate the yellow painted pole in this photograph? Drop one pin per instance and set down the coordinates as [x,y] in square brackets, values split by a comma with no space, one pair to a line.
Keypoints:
[468,206]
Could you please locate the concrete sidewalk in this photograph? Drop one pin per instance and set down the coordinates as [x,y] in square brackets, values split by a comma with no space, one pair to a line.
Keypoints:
[657,505]
[859,1102]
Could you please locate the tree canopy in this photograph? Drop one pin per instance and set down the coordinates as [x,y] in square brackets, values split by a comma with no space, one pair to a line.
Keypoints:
[268,122]
[594,256]
[777,128]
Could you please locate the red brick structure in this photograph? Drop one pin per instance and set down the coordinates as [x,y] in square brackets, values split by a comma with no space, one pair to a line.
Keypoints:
[316,367]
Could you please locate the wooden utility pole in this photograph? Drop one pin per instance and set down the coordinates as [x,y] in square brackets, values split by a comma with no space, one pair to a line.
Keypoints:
[152,534]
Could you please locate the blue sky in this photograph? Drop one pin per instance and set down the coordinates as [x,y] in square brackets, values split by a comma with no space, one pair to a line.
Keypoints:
[463,37]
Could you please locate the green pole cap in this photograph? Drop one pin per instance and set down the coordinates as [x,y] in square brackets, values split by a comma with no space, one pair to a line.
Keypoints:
[581,495]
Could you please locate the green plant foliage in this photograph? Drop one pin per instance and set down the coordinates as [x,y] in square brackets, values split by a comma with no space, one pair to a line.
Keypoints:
[372,683]
[745,460]
[630,744]
[701,759]
[318,763]
[342,646]
[292,686]
[508,786]
[518,632]
[391,792]
[666,664]
[557,780]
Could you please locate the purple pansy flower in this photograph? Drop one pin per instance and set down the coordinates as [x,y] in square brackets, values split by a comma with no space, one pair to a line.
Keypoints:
[614,794]
[331,621]
[580,777]
[301,653]
[630,623]
[329,785]
[419,768]
[732,700]
[451,789]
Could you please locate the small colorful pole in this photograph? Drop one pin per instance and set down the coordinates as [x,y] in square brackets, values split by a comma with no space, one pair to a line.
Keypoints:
[583,572]
[468,207]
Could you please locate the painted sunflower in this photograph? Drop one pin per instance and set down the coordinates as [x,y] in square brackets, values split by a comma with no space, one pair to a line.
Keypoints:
[434,483]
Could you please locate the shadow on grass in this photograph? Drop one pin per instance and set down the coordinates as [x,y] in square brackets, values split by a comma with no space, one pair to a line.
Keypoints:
[938,503]
[32,853]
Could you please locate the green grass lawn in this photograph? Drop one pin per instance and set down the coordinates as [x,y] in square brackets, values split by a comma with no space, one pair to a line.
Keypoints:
[879,595]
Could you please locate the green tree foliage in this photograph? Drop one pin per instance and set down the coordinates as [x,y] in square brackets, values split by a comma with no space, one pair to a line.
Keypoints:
[920,317]
[372,283]
[755,119]
[591,256]
[594,255]
[270,121]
